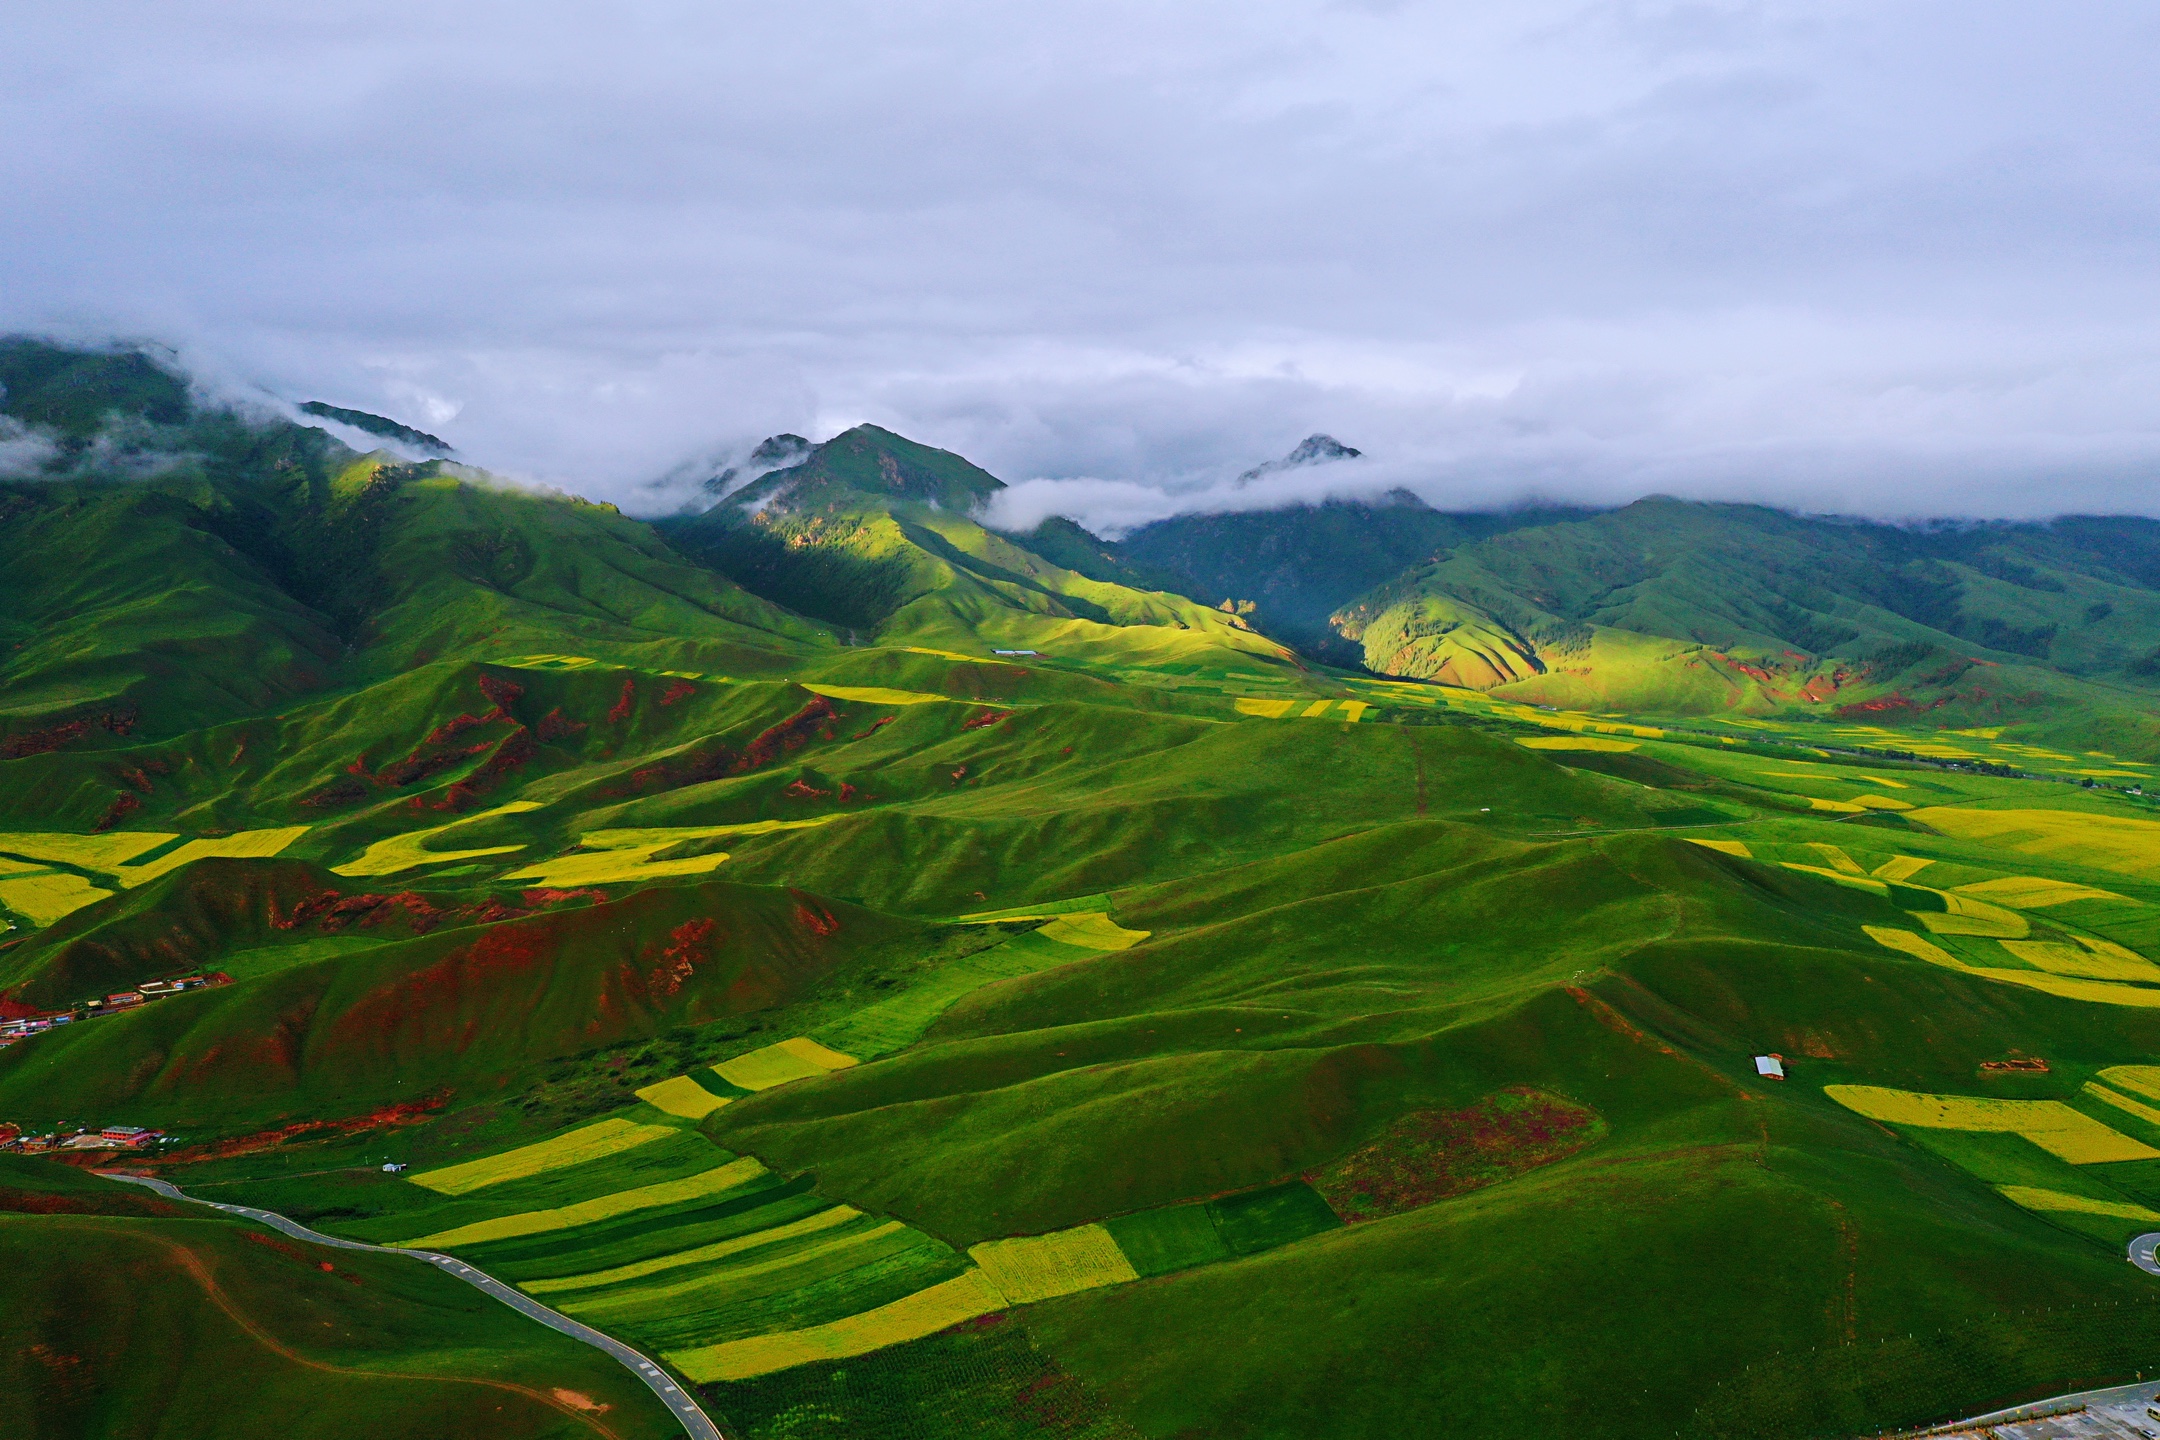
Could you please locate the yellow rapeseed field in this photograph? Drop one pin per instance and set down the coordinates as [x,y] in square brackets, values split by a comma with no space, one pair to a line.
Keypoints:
[965,1297]
[1265,709]
[1901,867]
[2063,1132]
[614,857]
[1092,931]
[608,1137]
[1576,742]
[2033,892]
[2114,963]
[1037,1267]
[403,852]
[875,694]
[1851,882]
[2033,1198]
[548,662]
[1048,910]
[246,845]
[2122,1102]
[1967,916]
[708,1284]
[2137,1079]
[797,1059]
[955,655]
[1836,858]
[604,1207]
[44,896]
[91,852]
[110,854]
[2067,986]
[705,1254]
[1914,946]
[1729,847]
[682,1096]
[2123,844]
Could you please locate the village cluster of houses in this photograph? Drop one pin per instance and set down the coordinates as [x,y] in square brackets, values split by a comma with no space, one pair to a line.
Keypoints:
[23,1028]
[112,1137]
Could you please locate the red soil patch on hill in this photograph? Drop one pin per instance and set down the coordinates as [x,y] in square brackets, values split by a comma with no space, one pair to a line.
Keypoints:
[813,916]
[54,737]
[688,943]
[451,992]
[789,735]
[717,760]
[122,807]
[556,726]
[329,911]
[1429,1155]
[409,1112]
[516,748]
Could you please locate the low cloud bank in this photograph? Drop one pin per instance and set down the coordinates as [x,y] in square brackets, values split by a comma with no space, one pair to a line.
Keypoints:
[1835,255]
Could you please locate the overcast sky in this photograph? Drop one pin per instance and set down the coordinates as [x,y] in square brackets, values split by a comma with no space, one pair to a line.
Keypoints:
[1887,257]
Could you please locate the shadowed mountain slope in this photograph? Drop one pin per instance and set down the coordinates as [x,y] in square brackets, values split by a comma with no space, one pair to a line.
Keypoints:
[871,533]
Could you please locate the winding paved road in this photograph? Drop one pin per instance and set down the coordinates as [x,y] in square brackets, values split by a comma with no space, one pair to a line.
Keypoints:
[2141,1252]
[693,1417]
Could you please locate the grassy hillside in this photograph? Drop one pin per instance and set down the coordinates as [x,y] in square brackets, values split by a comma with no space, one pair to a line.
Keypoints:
[126,1317]
[1300,565]
[1158,1034]
[870,533]
[1673,608]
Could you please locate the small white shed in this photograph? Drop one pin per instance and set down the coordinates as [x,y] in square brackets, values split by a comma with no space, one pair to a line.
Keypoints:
[1770,1067]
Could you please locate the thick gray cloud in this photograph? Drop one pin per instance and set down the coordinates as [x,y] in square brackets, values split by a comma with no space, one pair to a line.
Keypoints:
[1895,258]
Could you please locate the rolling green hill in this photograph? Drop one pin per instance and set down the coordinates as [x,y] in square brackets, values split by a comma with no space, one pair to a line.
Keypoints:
[1675,608]
[1158,1033]
[871,533]
[1300,565]
[124,1316]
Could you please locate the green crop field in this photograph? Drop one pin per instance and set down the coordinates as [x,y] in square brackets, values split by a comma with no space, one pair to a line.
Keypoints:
[1158,1031]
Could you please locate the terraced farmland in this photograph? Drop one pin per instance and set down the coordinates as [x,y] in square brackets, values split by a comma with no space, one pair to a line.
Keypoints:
[1145,1032]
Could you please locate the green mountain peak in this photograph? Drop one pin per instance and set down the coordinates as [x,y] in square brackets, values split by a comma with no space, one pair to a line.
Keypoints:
[871,460]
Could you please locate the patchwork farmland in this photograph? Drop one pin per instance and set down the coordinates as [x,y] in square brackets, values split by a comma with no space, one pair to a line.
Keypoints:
[907,979]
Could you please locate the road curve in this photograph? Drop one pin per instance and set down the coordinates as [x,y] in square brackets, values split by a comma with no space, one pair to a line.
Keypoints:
[680,1401]
[2141,1252]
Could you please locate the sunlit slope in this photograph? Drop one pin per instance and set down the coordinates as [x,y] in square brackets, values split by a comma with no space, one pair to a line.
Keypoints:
[1298,565]
[125,1316]
[1351,930]
[1231,1053]
[1073,800]
[1669,607]
[870,533]
[1188,1067]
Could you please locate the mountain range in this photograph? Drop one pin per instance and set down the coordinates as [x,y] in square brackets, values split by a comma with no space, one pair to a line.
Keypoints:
[1331,970]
